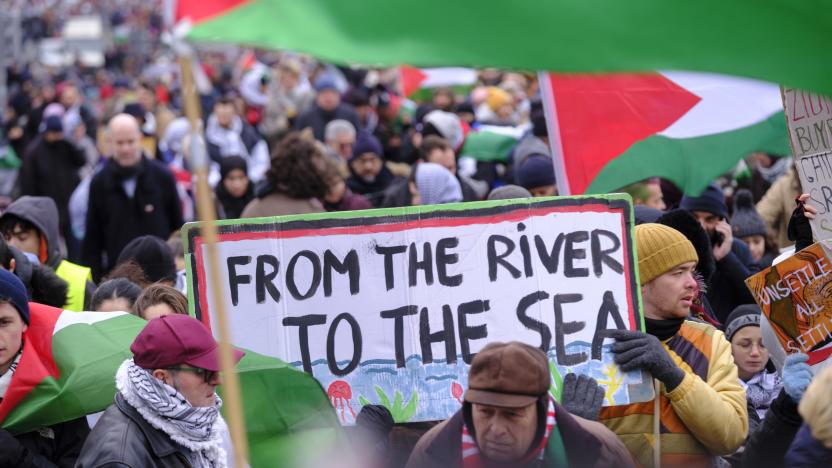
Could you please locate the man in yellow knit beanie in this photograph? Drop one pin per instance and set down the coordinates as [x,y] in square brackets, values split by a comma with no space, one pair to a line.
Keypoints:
[701,404]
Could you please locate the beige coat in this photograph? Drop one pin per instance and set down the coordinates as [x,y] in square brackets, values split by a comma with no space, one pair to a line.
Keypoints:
[279,204]
[777,205]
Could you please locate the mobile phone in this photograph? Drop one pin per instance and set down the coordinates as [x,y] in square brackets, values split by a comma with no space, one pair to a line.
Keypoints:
[717,238]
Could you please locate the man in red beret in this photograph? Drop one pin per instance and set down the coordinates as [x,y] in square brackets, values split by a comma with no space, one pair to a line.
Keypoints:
[166,410]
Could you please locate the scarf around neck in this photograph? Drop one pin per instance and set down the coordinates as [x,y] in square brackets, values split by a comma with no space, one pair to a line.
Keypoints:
[199,429]
[550,448]
[663,329]
[761,390]
[6,378]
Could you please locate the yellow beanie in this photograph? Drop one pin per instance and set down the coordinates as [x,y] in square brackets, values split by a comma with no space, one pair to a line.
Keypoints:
[661,248]
[497,98]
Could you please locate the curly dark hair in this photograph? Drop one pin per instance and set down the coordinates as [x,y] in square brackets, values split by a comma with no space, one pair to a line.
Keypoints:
[297,168]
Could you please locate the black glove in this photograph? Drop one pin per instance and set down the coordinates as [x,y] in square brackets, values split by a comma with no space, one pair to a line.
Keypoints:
[582,396]
[12,452]
[800,229]
[636,350]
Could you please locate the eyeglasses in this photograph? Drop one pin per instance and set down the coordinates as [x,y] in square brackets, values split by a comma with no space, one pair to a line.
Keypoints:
[206,374]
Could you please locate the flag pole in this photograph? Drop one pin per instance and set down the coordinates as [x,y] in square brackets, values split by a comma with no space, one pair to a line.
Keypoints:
[198,160]
[550,112]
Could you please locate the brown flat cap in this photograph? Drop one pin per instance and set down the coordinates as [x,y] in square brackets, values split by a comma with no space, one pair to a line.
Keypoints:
[509,375]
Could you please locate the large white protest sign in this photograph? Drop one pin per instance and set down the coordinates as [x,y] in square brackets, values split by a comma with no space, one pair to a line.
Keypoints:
[390,306]
[809,117]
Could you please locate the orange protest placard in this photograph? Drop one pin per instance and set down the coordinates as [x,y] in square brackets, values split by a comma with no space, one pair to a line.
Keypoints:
[796,297]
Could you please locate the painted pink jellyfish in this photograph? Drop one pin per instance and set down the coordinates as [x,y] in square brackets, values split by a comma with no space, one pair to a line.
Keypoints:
[456,391]
[340,394]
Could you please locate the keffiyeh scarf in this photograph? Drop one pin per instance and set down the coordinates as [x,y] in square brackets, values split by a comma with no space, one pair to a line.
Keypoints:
[195,428]
[761,390]
[6,378]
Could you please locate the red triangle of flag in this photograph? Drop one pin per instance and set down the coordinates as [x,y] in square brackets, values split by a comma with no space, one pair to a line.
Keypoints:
[201,10]
[37,362]
[410,79]
[601,116]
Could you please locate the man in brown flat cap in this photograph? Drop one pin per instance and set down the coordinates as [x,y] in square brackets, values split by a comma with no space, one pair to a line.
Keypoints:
[509,419]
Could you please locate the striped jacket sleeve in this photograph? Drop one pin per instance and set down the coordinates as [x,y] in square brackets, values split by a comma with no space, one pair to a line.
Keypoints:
[715,411]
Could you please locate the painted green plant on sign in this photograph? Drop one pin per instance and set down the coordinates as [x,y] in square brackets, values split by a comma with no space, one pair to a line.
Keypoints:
[401,412]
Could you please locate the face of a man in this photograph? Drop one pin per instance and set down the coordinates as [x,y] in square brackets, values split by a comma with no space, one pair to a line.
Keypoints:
[11,335]
[69,96]
[126,141]
[328,99]
[342,144]
[504,434]
[225,114]
[750,354]
[444,157]
[191,383]
[707,220]
[655,198]
[367,166]
[26,240]
[670,295]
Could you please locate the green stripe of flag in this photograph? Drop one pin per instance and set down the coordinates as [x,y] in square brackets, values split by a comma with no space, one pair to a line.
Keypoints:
[695,160]
[779,41]
[87,357]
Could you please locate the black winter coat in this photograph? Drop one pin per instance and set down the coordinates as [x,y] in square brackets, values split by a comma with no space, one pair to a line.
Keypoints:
[767,445]
[53,446]
[727,288]
[114,219]
[317,118]
[52,170]
[125,439]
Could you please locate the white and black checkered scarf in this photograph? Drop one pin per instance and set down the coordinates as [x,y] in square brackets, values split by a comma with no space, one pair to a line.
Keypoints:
[195,428]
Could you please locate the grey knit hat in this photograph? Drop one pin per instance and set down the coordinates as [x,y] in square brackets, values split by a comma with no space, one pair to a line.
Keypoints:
[743,316]
[507,192]
[746,221]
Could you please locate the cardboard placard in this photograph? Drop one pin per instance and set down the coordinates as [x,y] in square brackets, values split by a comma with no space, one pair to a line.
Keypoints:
[390,306]
[809,118]
[796,299]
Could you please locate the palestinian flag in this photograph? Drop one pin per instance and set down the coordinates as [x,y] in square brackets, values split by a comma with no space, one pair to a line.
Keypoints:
[419,83]
[68,369]
[492,143]
[608,131]
[68,366]
[776,40]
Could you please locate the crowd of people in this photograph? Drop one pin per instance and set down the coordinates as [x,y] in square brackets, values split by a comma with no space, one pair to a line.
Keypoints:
[97,185]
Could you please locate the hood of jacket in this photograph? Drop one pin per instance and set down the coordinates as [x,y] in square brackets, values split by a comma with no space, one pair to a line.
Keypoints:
[43,214]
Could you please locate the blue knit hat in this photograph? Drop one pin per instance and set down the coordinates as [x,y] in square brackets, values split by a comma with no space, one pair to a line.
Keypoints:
[324,82]
[537,171]
[365,142]
[13,290]
[711,201]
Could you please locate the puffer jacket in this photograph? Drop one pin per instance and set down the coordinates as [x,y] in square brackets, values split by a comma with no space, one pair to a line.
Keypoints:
[704,416]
